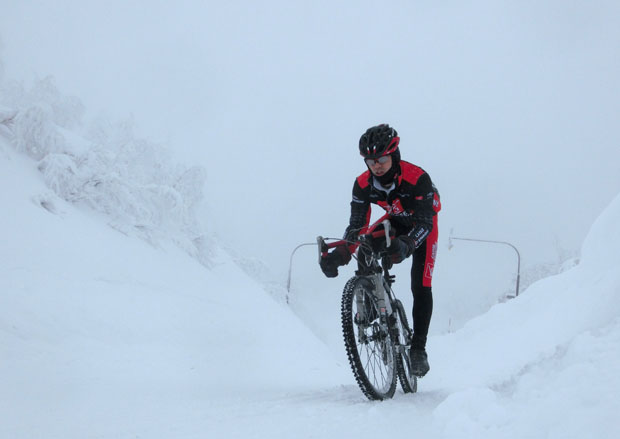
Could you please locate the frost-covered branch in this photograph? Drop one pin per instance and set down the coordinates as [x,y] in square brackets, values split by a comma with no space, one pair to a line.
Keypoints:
[131,181]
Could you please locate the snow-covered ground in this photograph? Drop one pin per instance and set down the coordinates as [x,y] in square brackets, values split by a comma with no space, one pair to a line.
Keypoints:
[103,335]
[110,334]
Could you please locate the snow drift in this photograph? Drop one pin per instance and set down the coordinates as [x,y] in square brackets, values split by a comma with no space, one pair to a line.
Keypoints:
[100,332]
[543,365]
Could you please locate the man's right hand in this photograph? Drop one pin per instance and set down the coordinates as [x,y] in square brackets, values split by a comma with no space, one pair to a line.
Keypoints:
[402,247]
[330,263]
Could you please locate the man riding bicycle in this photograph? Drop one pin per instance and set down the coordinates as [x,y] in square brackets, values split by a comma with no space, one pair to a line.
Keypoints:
[407,193]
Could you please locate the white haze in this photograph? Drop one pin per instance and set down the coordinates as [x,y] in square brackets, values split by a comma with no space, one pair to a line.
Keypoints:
[511,107]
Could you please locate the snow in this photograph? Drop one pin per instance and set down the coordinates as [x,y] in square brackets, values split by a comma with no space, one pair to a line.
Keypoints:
[102,333]
[108,332]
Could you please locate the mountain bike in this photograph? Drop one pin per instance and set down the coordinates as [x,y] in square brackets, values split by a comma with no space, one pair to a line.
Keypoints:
[374,323]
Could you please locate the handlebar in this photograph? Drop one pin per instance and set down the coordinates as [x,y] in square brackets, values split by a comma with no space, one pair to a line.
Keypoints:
[368,231]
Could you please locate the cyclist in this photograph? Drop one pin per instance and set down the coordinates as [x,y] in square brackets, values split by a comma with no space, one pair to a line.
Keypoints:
[408,194]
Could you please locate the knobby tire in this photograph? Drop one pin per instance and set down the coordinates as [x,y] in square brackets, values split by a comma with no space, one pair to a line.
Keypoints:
[360,370]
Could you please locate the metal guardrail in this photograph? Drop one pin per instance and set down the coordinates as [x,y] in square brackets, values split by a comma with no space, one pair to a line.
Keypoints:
[450,245]
[290,266]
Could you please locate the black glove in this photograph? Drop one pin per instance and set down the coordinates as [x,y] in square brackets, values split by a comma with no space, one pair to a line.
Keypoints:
[330,263]
[400,249]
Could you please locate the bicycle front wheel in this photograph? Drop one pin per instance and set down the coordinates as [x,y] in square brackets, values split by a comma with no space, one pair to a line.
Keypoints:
[370,349]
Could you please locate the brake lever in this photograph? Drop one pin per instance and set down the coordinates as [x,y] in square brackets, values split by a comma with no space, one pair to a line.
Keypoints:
[386,227]
[322,247]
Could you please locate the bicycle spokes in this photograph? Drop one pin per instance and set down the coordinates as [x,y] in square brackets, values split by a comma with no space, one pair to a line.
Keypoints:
[367,338]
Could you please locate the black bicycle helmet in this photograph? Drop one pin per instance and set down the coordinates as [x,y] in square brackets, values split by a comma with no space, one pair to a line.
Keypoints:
[378,141]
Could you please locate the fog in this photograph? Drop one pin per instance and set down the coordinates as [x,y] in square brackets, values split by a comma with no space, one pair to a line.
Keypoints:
[512,108]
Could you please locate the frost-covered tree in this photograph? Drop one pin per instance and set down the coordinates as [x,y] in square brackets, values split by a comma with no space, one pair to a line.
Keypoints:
[131,181]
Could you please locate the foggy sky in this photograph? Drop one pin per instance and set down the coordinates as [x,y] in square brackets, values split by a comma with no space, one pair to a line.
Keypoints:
[512,107]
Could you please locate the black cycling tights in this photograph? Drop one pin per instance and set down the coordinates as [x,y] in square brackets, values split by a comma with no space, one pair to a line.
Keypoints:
[422,296]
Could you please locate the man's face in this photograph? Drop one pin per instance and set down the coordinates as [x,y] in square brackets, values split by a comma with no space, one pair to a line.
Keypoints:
[377,168]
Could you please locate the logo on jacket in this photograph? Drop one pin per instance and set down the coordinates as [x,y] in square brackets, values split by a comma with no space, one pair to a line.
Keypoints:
[396,208]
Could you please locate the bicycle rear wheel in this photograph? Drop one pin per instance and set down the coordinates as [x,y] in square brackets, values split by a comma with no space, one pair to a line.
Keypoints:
[408,381]
[367,340]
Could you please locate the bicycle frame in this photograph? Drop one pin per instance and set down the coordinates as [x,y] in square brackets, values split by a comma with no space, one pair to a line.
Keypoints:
[375,328]
[375,273]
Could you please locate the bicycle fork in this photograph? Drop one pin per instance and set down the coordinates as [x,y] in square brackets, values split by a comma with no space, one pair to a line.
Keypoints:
[379,297]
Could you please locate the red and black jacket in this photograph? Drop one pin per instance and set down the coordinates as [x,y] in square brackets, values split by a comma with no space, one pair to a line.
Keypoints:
[412,203]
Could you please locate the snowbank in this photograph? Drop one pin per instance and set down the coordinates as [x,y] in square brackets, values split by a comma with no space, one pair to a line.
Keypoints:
[101,333]
[541,365]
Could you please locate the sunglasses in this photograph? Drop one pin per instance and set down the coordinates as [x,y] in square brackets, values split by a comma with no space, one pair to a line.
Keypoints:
[382,160]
